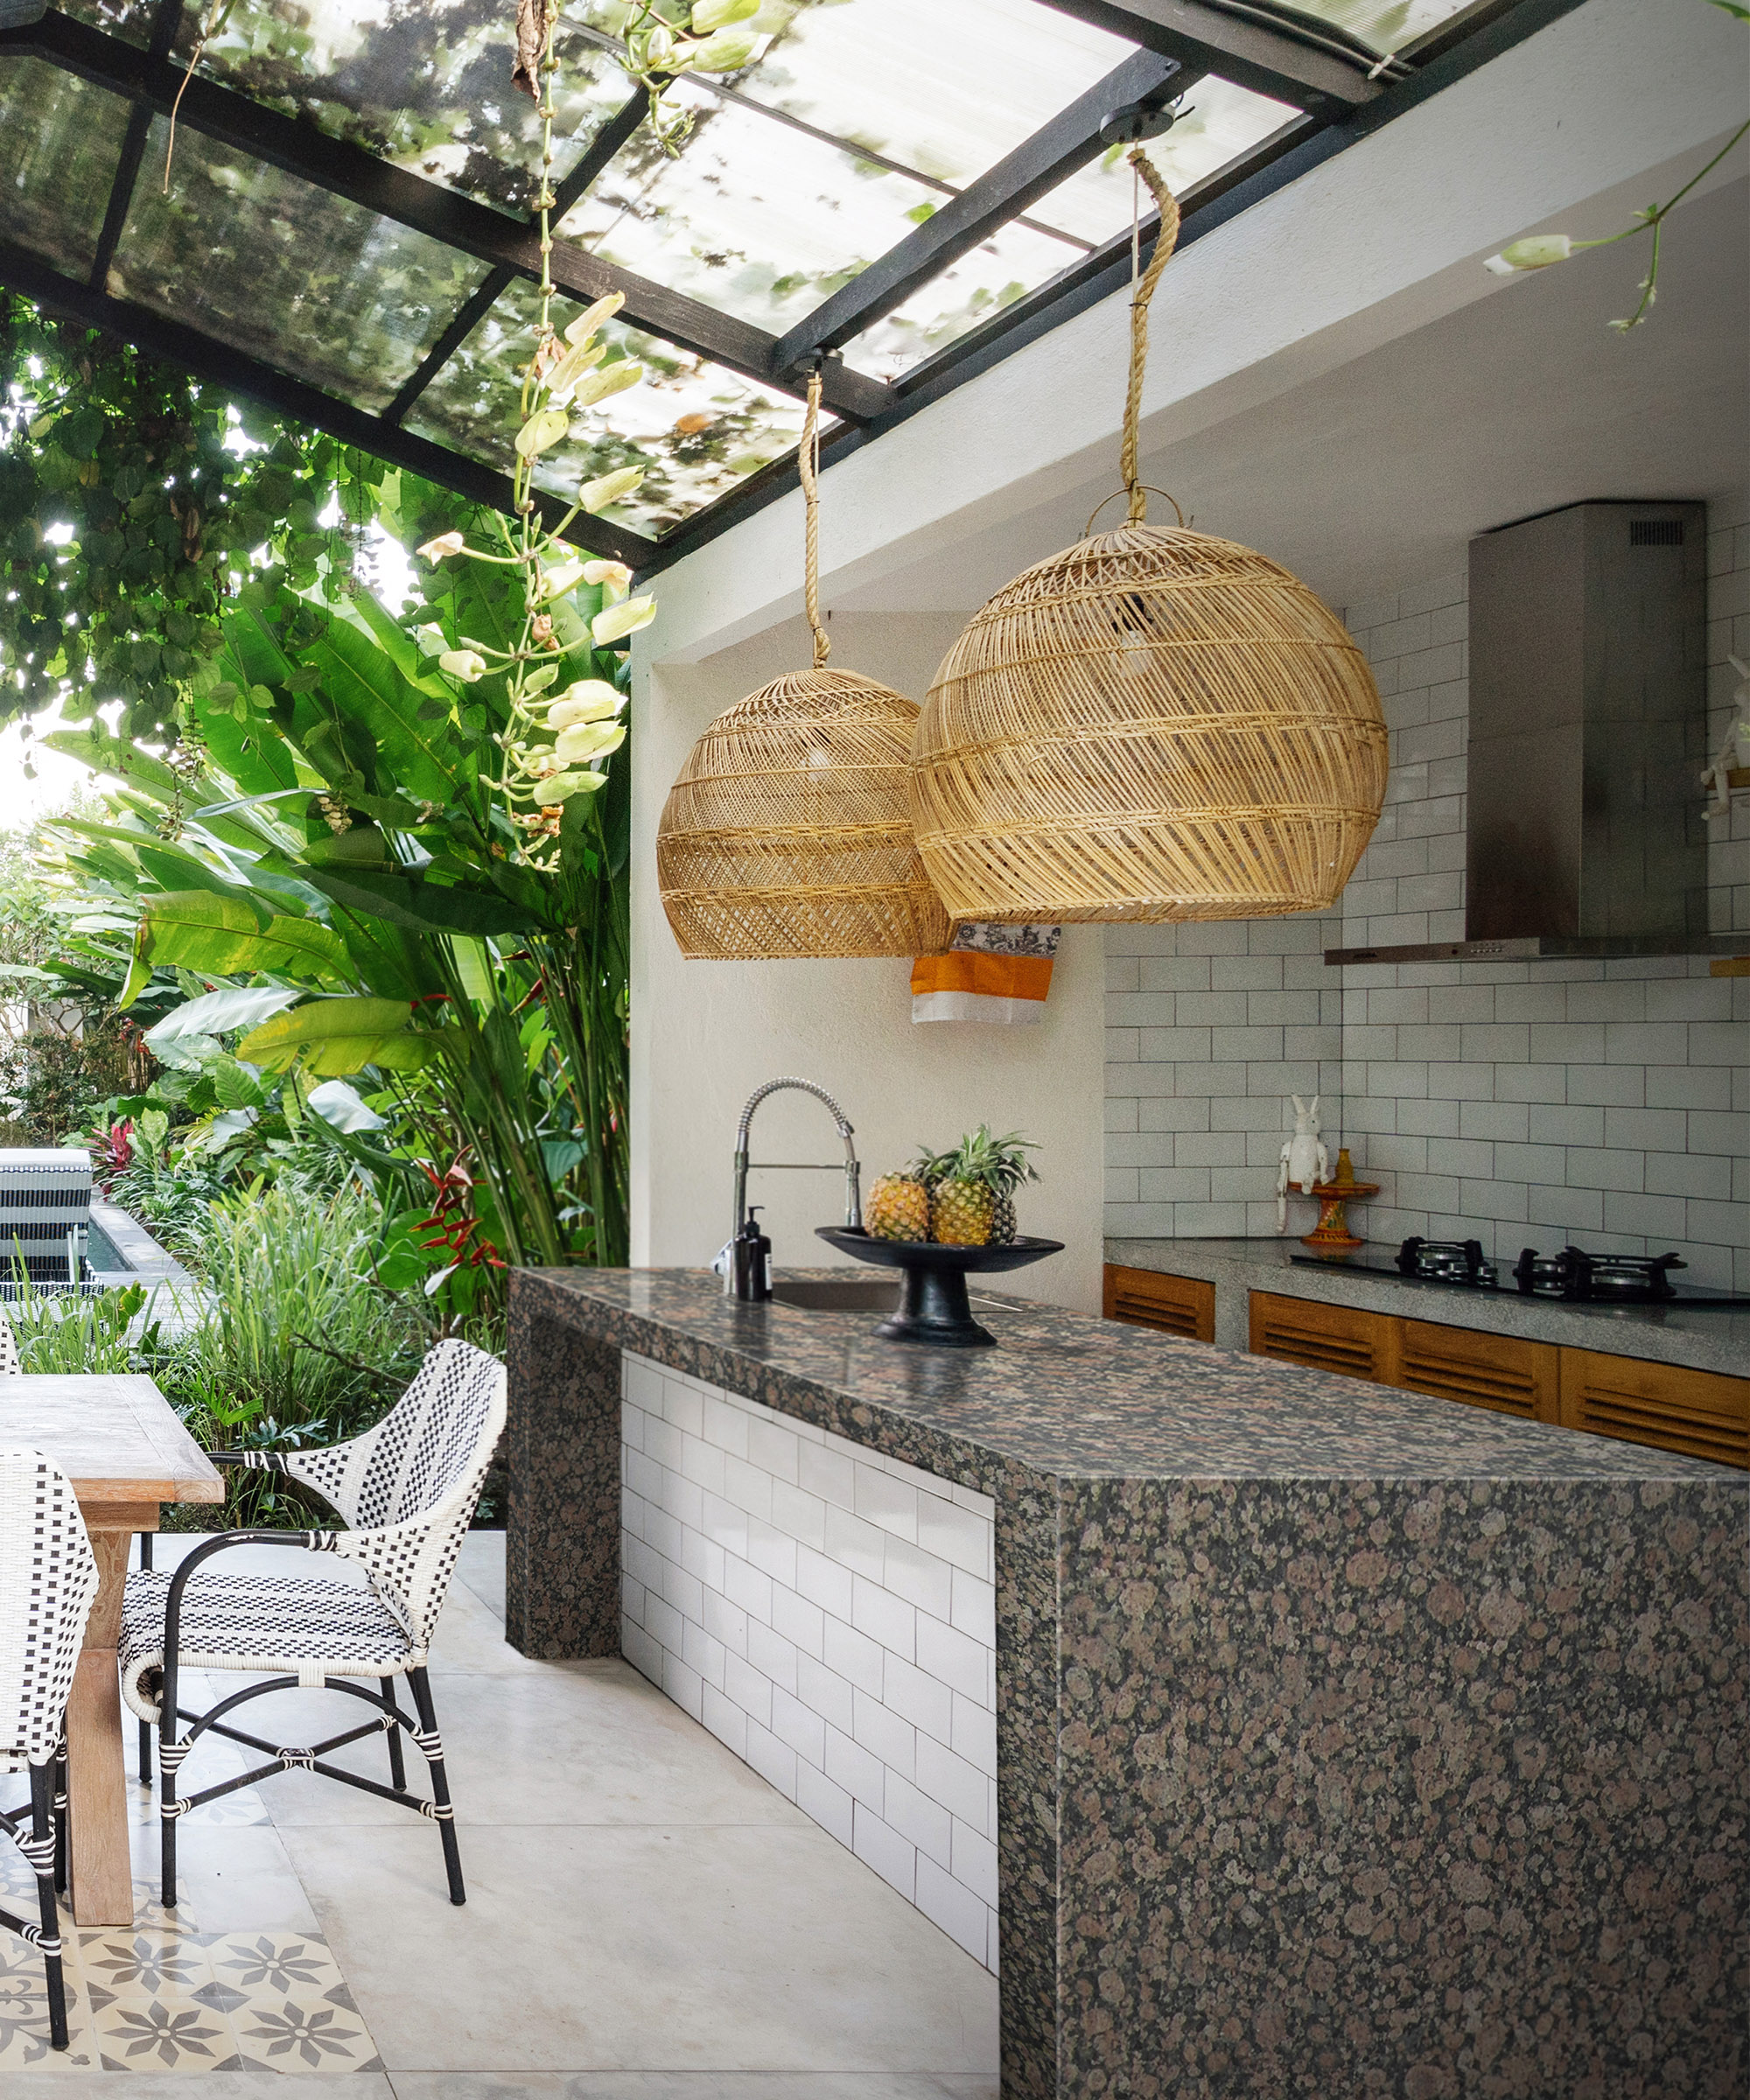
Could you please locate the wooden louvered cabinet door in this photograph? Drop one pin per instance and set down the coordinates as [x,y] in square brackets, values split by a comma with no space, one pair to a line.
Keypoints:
[1513,1376]
[1328,1338]
[1700,1412]
[1172,1304]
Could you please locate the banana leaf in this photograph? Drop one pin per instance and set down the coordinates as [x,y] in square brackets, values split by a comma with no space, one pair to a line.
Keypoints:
[421,907]
[233,936]
[219,1013]
[335,1037]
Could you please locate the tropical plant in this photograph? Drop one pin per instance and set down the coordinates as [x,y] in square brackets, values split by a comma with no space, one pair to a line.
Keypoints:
[298,1331]
[397,840]
[658,43]
[60,1335]
[132,501]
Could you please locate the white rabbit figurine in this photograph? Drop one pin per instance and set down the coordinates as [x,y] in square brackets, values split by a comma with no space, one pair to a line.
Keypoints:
[1305,1160]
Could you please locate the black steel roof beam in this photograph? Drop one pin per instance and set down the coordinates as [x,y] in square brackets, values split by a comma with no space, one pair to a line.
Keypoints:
[1311,72]
[1037,164]
[165,24]
[212,361]
[377,186]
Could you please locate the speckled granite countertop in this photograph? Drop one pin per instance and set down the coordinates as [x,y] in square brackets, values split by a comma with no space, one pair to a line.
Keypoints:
[1703,1341]
[1075,1397]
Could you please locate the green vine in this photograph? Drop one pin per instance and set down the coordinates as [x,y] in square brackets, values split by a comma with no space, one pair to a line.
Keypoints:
[660,41]
[1538,251]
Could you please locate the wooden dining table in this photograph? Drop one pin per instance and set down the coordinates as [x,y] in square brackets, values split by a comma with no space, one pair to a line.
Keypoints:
[126,1452]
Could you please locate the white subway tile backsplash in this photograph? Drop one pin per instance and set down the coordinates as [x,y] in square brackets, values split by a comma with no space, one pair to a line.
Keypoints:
[1621,1087]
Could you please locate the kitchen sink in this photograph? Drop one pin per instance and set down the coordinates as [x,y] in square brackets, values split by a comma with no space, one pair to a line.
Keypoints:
[830,1294]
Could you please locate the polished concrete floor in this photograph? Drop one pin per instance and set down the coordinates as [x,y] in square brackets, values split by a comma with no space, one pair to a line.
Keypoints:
[647,1920]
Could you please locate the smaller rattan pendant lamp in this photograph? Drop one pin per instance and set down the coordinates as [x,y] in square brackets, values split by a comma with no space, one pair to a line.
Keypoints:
[1153,725]
[787,832]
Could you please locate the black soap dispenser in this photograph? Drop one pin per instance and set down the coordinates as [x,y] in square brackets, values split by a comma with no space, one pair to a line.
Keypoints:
[750,1252]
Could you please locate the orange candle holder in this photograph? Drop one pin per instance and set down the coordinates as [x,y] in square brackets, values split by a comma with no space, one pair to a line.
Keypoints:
[1332,1233]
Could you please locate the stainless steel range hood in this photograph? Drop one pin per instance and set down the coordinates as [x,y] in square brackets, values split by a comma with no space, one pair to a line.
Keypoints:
[1588,727]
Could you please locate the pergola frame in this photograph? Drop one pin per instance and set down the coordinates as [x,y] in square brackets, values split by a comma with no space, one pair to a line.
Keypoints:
[1343,93]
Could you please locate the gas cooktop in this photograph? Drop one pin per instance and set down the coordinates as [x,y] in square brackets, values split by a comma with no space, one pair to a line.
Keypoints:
[1573,1275]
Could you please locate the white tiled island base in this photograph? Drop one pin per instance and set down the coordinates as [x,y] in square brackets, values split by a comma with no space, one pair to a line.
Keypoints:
[830,1614]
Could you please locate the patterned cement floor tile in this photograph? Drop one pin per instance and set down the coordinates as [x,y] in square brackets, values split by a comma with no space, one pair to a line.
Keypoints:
[24,2016]
[188,2002]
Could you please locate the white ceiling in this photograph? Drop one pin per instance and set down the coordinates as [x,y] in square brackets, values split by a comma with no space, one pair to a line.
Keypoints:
[1376,474]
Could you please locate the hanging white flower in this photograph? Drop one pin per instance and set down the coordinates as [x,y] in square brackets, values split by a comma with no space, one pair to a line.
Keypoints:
[626,618]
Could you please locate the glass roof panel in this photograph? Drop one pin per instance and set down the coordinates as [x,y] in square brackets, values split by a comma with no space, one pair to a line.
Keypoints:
[60,140]
[945,91]
[422,83]
[131,20]
[1221,122]
[301,279]
[1387,24]
[1013,261]
[753,218]
[695,428]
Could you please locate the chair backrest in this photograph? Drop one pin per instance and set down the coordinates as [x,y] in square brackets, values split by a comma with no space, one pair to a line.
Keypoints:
[425,1447]
[48,1581]
[410,1485]
[10,1366]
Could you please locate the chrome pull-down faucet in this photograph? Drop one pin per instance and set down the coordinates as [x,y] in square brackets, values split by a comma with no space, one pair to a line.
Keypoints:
[853,1173]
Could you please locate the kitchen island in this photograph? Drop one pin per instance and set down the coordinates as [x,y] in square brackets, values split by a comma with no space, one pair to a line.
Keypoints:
[1345,1740]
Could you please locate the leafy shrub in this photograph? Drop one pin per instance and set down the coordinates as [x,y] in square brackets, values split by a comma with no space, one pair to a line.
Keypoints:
[172,1201]
[299,1345]
[60,1335]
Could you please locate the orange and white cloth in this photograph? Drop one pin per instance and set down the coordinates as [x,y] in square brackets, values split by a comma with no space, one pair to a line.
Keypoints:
[990,973]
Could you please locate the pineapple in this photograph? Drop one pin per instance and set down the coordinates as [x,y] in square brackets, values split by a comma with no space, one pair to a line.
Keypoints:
[972,1188]
[899,1207]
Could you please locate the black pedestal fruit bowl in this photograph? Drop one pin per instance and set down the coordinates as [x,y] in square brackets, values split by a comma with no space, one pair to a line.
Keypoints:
[934,1308]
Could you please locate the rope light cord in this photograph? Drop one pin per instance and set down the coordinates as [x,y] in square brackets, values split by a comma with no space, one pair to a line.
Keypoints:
[1166,239]
[807,462]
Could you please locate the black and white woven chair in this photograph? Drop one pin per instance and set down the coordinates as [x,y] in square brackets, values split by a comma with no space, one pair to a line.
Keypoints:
[10,1365]
[407,1488]
[48,1580]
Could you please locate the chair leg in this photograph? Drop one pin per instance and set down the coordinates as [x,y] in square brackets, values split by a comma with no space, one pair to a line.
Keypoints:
[397,1768]
[145,1726]
[171,1754]
[431,1745]
[42,1845]
[63,1823]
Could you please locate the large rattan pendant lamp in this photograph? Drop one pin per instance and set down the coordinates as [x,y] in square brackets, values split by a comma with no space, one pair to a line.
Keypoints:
[787,831]
[1153,725]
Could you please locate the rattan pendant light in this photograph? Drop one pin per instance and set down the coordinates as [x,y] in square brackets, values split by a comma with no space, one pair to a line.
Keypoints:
[788,832]
[1153,725]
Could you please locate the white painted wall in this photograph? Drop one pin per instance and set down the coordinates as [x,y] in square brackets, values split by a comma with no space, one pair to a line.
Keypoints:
[706,1034]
